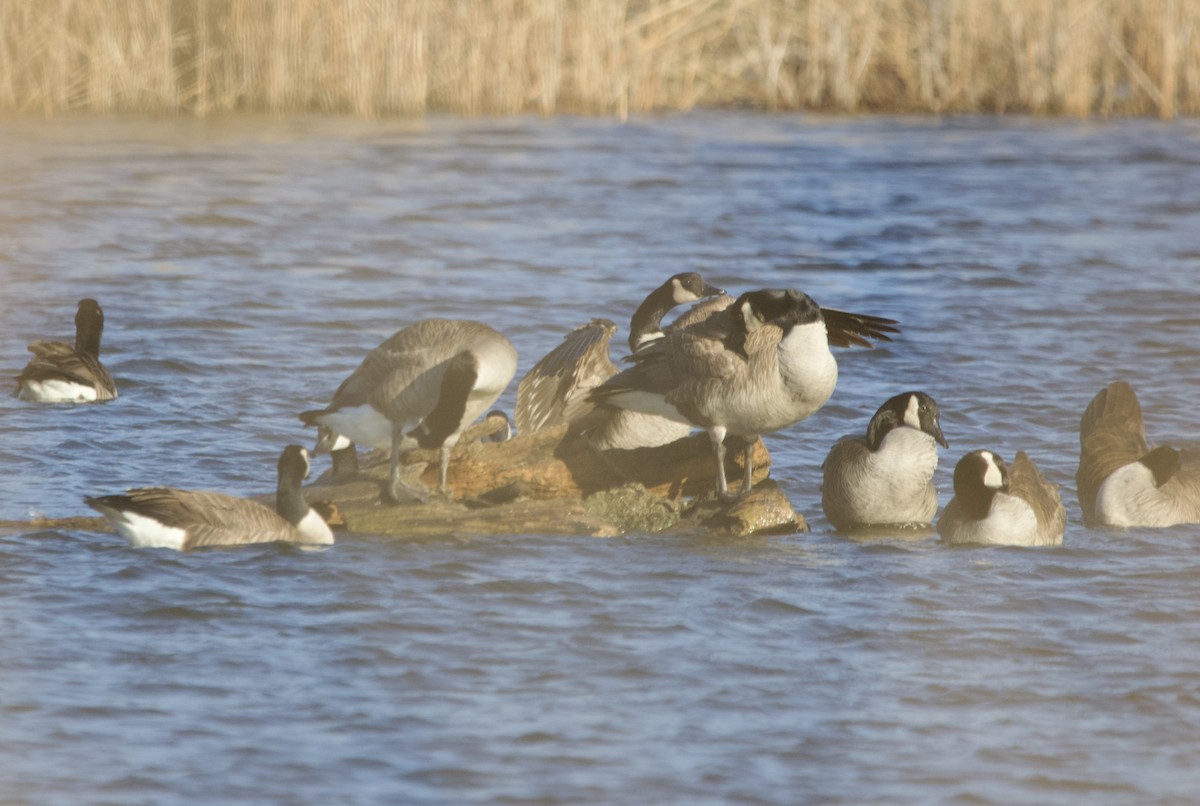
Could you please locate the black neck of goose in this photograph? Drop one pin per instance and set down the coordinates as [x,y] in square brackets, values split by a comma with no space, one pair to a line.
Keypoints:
[880,426]
[289,496]
[647,319]
[1163,461]
[87,336]
[977,503]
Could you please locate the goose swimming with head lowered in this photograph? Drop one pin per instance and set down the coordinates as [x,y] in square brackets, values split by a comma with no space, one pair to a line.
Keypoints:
[420,388]
[59,373]
[165,517]
[555,390]
[993,505]
[1121,481]
[885,478]
[753,367]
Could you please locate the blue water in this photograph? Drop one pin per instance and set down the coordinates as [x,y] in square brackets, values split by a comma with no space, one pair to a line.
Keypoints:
[246,265]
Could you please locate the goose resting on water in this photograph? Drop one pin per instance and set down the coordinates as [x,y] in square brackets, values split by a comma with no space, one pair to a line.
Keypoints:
[555,390]
[59,373]
[165,517]
[1122,482]
[996,506]
[755,366]
[886,476]
[420,388]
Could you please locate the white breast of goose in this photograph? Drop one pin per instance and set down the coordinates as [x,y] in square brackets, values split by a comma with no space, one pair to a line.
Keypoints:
[890,484]
[785,385]
[1010,522]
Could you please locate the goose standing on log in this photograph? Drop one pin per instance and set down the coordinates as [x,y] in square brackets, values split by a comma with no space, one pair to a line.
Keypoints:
[165,517]
[1121,481]
[995,506]
[420,388]
[555,390]
[886,477]
[753,367]
[59,373]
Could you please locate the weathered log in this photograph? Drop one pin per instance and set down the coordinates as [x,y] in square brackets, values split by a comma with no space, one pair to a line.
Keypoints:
[551,482]
[558,464]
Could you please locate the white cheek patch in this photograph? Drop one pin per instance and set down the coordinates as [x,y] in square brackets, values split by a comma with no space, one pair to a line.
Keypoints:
[752,323]
[681,294]
[992,477]
[912,416]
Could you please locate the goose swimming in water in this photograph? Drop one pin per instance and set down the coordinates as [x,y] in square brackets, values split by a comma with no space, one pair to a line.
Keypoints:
[59,373]
[1121,481]
[555,390]
[995,506]
[420,388]
[165,517]
[886,477]
[758,365]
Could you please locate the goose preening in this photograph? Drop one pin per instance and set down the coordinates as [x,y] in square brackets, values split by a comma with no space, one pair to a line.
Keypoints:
[754,366]
[164,517]
[1121,481]
[885,477]
[998,506]
[556,389]
[59,373]
[420,388]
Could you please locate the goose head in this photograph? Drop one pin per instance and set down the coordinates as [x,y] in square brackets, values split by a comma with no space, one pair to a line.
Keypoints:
[978,476]
[784,308]
[913,409]
[89,325]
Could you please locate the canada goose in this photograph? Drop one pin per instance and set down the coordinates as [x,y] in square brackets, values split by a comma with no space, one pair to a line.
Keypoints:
[758,365]
[420,388]
[996,506]
[1123,483]
[886,477]
[59,373]
[555,390]
[164,517]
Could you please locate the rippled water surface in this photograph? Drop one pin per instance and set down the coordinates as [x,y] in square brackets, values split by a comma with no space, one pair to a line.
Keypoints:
[245,266]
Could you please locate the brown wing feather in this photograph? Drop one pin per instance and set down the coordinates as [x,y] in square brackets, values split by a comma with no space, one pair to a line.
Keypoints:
[1026,481]
[1112,434]
[551,391]
[847,329]
[210,519]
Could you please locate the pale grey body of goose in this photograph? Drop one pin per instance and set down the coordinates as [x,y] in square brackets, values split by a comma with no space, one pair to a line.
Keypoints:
[59,373]
[165,517]
[556,389]
[420,388]
[995,506]
[886,477]
[753,367]
[1121,481]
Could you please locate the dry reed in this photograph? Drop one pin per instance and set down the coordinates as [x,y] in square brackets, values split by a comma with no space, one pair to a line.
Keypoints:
[403,57]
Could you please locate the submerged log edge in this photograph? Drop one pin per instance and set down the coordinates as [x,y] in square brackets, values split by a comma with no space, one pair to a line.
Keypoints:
[551,482]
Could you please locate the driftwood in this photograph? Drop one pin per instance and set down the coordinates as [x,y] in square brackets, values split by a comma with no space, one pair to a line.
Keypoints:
[550,482]
[554,482]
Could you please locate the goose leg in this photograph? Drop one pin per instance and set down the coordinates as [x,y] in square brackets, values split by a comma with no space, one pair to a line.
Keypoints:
[443,464]
[397,491]
[748,466]
[717,435]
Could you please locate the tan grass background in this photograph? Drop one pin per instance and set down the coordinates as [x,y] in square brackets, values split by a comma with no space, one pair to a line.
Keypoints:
[609,57]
